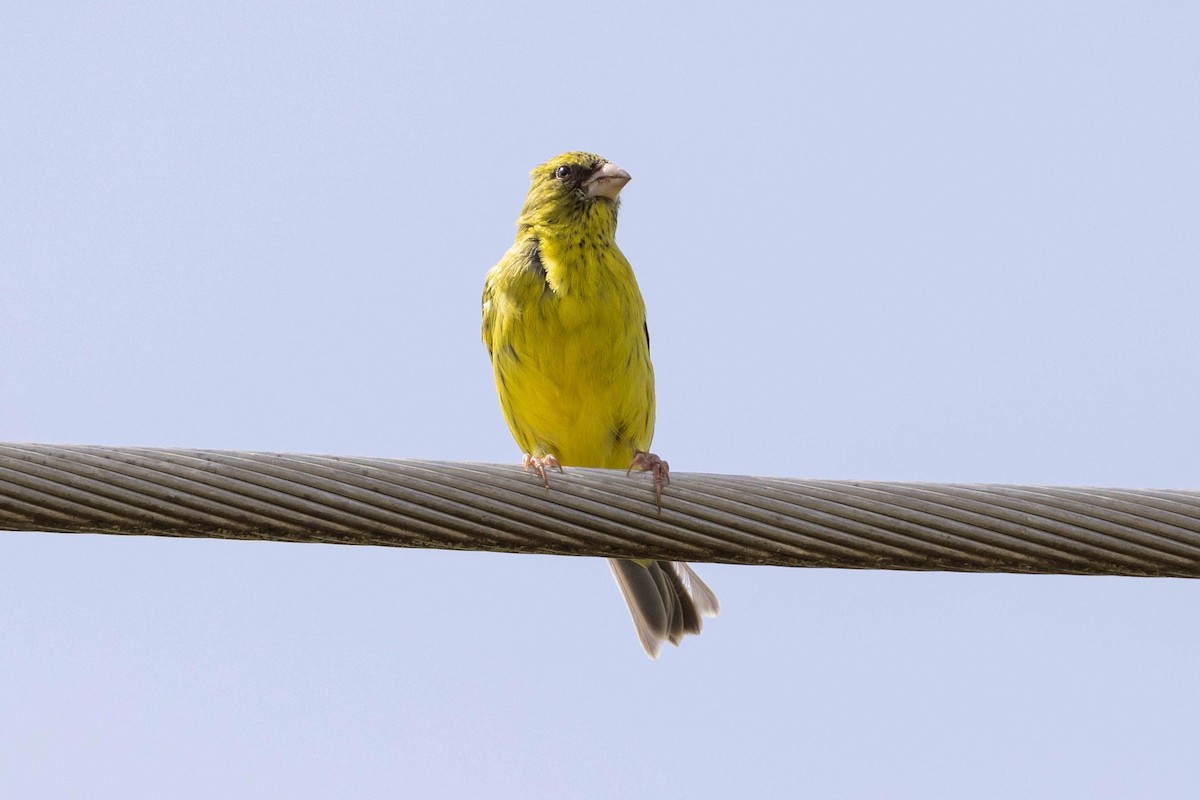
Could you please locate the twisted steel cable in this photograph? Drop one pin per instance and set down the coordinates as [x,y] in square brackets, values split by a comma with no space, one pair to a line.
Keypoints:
[590,512]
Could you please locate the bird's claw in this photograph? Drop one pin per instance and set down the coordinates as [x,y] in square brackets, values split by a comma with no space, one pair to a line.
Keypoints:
[540,465]
[648,462]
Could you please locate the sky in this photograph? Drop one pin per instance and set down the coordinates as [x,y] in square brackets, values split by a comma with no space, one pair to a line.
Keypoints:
[919,242]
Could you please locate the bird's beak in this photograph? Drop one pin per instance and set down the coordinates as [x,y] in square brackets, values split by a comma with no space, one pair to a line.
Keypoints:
[606,182]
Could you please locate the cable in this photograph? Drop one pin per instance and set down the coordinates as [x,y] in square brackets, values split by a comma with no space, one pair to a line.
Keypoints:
[591,512]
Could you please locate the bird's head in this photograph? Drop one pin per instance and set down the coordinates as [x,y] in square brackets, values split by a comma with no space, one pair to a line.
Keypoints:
[574,189]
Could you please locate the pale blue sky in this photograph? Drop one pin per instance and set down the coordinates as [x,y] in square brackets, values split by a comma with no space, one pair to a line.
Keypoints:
[944,242]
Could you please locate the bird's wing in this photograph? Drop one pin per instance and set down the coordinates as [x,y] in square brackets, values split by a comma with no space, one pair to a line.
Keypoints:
[489,312]
[519,274]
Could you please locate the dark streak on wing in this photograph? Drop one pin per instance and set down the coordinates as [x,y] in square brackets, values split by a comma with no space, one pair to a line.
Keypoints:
[646,328]
[535,259]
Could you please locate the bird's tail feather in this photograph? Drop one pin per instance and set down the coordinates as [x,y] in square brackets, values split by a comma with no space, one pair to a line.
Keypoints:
[666,599]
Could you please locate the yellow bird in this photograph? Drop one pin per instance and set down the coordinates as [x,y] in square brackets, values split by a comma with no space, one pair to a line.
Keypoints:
[565,326]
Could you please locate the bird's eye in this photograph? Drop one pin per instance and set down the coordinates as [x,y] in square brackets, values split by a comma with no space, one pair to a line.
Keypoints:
[563,172]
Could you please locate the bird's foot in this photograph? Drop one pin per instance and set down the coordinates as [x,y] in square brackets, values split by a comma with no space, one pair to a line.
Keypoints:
[540,465]
[648,462]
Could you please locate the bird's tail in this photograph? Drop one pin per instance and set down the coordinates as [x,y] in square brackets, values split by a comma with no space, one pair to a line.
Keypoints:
[666,599]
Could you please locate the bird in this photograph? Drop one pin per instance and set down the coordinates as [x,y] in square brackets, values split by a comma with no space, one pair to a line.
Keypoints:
[564,324]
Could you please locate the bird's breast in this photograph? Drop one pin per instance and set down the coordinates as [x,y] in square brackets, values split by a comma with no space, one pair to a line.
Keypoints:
[574,370]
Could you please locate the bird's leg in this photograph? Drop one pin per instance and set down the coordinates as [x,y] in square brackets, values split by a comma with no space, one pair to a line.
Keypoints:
[648,462]
[540,465]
